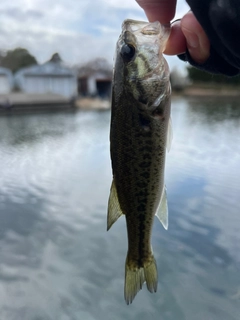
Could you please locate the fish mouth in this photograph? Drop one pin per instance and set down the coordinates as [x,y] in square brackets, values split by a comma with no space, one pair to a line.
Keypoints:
[147,29]
[144,27]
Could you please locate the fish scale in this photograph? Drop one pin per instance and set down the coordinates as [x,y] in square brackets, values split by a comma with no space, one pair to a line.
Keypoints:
[138,139]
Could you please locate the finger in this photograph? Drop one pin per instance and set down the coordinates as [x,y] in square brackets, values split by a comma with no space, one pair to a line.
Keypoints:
[176,43]
[197,41]
[159,10]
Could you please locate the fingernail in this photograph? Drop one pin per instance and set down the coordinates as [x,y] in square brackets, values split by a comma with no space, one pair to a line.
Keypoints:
[192,38]
[175,21]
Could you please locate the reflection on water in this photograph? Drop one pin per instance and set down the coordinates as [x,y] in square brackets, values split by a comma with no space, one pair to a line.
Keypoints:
[56,259]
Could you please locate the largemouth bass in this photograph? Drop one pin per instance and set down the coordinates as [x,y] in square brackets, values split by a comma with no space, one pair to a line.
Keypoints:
[140,133]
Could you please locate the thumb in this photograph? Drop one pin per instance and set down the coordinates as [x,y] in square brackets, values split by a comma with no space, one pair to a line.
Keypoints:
[197,41]
[158,10]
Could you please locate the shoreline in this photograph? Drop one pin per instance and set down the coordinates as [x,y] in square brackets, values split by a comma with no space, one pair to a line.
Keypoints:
[88,103]
[208,91]
[18,101]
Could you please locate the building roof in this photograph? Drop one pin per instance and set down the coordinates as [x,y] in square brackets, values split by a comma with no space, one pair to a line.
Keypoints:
[100,65]
[46,69]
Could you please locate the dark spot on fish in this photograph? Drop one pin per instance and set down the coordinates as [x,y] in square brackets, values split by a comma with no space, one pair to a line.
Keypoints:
[143,99]
[145,164]
[145,175]
[146,148]
[142,193]
[142,184]
[144,201]
[141,217]
[148,142]
[141,207]
[144,122]
[146,156]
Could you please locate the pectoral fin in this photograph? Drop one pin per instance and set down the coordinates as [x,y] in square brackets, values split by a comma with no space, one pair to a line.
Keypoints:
[114,210]
[162,211]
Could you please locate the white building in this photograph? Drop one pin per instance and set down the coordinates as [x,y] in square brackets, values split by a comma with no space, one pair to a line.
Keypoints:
[50,77]
[6,80]
[95,78]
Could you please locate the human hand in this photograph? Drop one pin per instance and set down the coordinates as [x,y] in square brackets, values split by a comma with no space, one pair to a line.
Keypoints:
[185,34]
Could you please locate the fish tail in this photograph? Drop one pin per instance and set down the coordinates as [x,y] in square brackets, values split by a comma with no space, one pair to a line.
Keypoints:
[135,276]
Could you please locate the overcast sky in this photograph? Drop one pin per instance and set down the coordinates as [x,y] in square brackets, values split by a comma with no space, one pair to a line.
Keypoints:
[79,30]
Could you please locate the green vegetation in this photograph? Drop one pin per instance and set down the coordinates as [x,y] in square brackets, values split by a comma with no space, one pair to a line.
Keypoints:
[196,75]
[17,59]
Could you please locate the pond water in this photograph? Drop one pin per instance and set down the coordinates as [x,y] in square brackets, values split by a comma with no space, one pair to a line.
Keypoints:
[56,259]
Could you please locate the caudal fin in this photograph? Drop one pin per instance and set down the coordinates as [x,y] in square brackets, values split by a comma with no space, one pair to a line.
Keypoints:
[135,277]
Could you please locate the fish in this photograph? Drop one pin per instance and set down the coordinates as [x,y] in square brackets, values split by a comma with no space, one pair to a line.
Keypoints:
[140,133]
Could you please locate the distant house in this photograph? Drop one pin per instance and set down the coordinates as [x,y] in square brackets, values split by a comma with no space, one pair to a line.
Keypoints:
[50,77]
[95,79]
[179,79]
[6,80]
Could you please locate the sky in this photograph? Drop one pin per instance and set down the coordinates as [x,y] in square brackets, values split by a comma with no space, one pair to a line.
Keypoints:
[78,30]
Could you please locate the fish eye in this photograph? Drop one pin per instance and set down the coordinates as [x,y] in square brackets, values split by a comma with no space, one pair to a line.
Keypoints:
[127,52]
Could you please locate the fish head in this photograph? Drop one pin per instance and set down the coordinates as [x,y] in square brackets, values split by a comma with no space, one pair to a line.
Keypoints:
[140,68]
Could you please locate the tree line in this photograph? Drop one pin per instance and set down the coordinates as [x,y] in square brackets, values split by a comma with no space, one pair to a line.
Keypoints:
[16,59]
[196,75]
[21,58]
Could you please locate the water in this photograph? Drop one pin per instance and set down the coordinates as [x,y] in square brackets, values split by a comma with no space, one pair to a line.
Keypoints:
[56,259]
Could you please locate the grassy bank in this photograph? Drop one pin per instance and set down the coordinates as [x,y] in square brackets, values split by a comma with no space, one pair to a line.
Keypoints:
[209,90]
